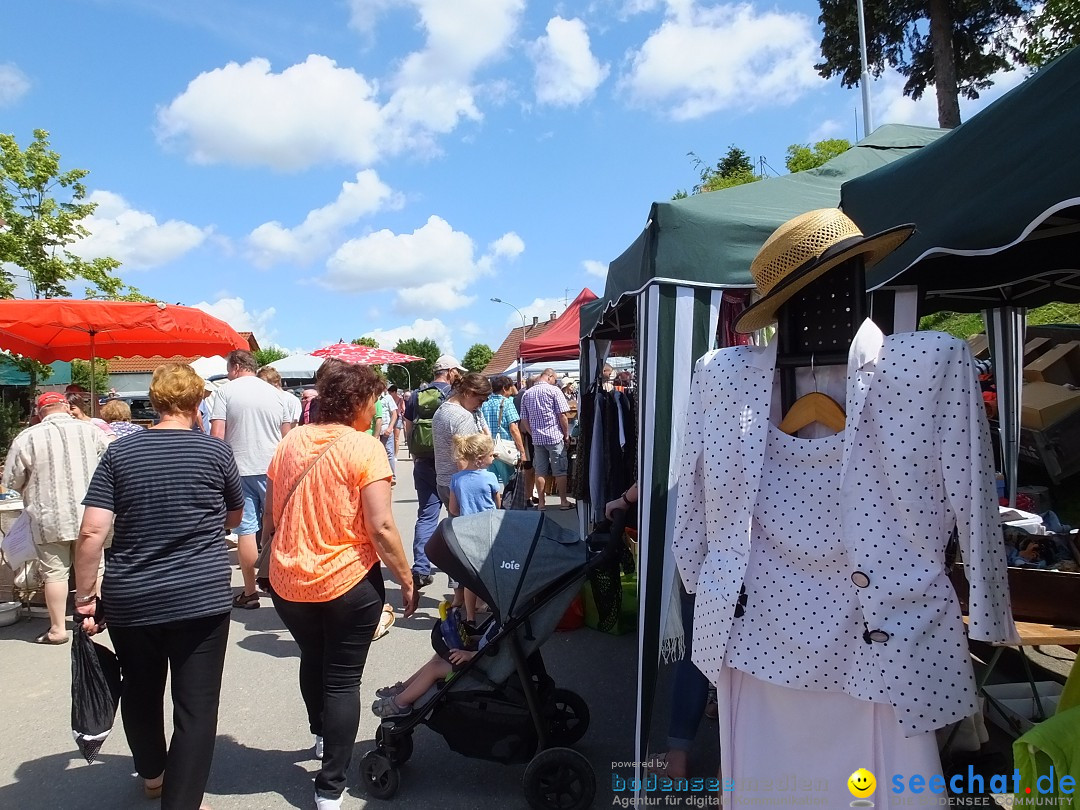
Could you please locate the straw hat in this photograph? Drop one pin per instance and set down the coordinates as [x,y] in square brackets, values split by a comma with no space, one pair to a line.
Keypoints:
[805,248]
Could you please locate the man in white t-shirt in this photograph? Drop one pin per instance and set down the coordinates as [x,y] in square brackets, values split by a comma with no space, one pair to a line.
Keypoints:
[293,408]
[386,431]
[250,415]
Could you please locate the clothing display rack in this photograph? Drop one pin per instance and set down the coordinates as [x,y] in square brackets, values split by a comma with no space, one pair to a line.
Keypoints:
[816,326]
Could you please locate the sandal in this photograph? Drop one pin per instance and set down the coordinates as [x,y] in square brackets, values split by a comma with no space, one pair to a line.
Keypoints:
[387,707]
[385,622]
[45,638]
[247,601]
[390,691]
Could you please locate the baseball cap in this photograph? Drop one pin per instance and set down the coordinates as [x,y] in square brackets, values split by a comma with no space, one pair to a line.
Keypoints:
[447,362]
[50,398]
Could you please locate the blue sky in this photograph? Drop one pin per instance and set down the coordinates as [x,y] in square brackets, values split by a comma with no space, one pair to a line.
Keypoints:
[322,170]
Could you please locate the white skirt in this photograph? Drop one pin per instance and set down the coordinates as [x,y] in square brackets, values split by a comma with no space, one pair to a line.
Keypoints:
[782,747]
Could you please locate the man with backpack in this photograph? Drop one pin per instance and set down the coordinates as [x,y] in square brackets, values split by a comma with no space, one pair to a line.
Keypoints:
[419,412]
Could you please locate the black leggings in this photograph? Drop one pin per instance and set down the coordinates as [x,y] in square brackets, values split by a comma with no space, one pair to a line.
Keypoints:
[334,638]
[194,651]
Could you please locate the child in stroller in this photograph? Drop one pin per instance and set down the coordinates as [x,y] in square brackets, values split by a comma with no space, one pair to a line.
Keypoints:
[398,700]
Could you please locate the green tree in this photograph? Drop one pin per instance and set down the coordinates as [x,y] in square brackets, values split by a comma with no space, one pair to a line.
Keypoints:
[44,209]
[733,169]
[955,46]
[1055,30]
[477,357]
[801,157]
[420,371]
[80,374]
[366,341]
[269,355]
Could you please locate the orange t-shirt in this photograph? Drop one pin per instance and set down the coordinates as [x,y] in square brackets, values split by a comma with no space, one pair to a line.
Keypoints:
[321,546]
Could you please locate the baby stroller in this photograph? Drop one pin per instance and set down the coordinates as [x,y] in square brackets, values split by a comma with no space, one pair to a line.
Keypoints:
[502,705]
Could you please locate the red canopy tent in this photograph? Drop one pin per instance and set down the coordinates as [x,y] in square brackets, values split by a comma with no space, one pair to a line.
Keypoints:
[561,340]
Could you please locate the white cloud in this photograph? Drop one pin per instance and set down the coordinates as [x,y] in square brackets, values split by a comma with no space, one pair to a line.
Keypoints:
[470,328]
[235,313]
[428,268]
[312,112]
[13,84]
[272,242]
[540,308]
[595,268]
[567,73]
[420,328]
[705,59]
[891,106]
[829,128]
[317,112]
[134,237]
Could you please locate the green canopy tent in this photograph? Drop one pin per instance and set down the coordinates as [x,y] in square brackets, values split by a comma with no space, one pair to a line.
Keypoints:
[665,290]
[996,204]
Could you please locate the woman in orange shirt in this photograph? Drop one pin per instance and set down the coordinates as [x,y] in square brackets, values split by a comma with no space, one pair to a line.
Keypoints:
[329,487]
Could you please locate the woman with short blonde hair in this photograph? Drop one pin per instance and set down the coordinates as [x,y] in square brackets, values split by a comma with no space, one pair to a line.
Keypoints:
[167,582]
[117,415]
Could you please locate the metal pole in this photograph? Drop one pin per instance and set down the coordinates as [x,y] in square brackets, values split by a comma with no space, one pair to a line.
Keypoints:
[408,376]
[864,82]
[520,371]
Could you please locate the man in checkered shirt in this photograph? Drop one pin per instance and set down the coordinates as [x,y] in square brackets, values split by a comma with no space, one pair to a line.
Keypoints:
[543,414]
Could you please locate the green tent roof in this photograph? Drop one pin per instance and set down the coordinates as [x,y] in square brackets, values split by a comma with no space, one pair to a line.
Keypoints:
[710,239]
[10,375]
[996,202]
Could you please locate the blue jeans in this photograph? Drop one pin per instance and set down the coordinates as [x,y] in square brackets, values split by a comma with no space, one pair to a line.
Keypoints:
[689,690]
[388,443]
[427,511]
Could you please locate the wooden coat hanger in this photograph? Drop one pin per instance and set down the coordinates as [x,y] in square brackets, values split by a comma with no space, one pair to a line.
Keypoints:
[811,408]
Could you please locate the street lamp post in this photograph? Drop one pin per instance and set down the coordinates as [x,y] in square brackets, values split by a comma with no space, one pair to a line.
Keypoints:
[521,376]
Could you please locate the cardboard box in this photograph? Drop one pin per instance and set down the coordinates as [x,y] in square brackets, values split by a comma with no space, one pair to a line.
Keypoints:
[1060,365]
[1036,347]
[1043,404]
[980,346]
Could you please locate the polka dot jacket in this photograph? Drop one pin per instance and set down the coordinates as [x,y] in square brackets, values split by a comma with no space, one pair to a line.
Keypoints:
[916,462]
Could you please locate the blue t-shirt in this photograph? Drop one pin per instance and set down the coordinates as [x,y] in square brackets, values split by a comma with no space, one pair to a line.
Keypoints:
[475,490]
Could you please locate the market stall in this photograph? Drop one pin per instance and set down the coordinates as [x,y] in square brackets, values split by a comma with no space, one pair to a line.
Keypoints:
[666,293]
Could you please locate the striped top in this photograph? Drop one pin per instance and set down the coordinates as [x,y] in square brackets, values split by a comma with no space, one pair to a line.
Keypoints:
[321,545]
[169,490]
[50,464]
[541,407]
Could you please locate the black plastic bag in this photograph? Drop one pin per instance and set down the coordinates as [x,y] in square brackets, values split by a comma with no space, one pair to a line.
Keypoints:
[95,692]
[514,495]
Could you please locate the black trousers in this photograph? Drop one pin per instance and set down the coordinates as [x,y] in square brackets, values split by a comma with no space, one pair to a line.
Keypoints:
[194,651]
[334,638]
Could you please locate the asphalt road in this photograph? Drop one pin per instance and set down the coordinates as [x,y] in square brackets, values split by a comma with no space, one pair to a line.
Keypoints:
[263,758]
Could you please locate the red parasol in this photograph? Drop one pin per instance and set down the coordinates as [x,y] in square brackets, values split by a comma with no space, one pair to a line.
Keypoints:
[364,355]
[51,329]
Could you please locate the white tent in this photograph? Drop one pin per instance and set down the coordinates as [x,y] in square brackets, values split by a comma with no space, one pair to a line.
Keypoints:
[297,365]
[207,367]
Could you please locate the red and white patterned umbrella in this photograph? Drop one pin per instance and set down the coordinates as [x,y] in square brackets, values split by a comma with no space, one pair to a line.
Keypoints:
[364,355]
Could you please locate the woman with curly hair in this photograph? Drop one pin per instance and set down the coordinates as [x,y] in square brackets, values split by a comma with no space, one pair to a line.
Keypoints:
[330,524]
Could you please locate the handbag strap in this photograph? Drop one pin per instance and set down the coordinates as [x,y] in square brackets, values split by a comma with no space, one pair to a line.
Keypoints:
[314,461]
[498,424]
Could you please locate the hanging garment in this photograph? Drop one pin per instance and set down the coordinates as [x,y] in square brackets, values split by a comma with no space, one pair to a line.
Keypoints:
[916,462]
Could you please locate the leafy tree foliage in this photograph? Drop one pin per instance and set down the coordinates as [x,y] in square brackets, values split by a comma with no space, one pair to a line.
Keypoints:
[420,371]
[44,208]
[1055,30]
[801,157]
[269,355]
[477,357]
[953,45]
[80,374]
[733,169]
[366,341]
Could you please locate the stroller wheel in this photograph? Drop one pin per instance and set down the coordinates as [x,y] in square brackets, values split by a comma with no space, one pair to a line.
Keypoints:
[559,779]
[379,775]
[569,718]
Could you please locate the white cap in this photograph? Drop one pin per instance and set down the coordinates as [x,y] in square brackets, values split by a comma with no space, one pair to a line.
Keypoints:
[447,362]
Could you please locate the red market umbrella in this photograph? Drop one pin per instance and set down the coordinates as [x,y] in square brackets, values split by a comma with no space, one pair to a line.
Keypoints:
[51,329]
[364,355]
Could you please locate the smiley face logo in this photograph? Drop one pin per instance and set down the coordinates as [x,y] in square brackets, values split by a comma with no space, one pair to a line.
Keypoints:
[861,783]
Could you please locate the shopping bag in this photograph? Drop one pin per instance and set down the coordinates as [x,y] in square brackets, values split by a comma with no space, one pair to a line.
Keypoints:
[514,495]
[18,544]
[95,692]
